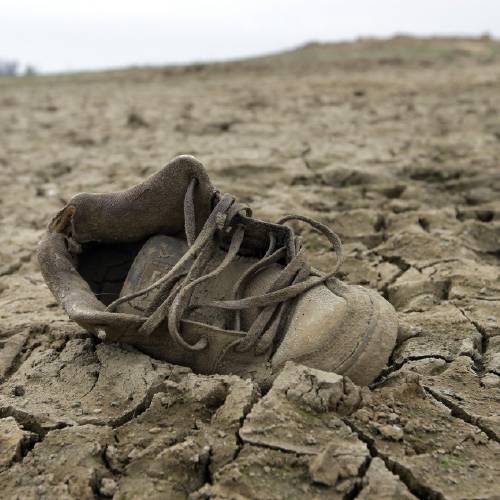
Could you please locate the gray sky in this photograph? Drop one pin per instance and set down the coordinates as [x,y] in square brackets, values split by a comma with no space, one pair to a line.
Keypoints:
[61,35]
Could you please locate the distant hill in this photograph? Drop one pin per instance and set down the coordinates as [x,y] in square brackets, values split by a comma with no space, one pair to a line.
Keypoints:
[315,56]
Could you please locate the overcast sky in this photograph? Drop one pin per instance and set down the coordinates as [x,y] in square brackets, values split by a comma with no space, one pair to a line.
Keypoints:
[62,35]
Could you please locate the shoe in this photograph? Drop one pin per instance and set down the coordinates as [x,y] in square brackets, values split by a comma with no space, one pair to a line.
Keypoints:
[189,276]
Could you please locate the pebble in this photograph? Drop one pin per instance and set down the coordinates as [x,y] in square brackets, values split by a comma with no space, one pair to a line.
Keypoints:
[108,487]
[18,390]
[393,432]
[310,439]
[134,454]
[393,417]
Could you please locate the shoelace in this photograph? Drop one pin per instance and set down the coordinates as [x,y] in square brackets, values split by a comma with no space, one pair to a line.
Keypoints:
[176,287]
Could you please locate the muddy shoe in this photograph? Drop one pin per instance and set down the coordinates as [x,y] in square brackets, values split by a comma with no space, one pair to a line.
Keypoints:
[188,276]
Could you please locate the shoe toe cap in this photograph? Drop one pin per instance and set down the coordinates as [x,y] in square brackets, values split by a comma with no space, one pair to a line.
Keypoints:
[353,334]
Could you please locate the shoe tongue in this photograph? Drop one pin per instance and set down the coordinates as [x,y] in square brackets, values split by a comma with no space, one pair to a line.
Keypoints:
[156,257]
[257,234]
[160,253]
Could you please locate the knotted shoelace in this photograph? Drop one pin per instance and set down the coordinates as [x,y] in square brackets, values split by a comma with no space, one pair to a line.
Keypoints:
[175,289]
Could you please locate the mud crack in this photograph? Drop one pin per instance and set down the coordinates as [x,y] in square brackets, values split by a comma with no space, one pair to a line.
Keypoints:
[419,490]
[459,412]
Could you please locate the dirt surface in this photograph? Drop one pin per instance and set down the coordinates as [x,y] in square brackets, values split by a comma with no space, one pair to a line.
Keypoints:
[394,144]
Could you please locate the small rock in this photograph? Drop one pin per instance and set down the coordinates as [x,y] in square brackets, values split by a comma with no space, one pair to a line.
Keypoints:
[134,454]
[343,486]
[392,432]
[491,380]
[310,439]
[12,440]
[393,418]
[108,487]
[340,460]
[321,391]
[113,458]
[18,390]
[135,120]
[381,483]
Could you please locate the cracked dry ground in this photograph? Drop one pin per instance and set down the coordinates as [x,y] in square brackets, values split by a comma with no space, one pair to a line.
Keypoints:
[395,145]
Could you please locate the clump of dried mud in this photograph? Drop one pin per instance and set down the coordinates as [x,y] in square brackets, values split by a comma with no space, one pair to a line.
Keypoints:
[396,145]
